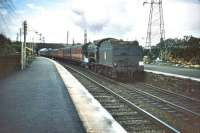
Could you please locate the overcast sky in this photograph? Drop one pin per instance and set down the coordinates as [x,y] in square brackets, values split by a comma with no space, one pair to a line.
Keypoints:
[122,19]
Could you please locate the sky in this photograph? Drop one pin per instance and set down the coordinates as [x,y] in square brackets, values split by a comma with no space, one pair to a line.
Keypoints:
[121,19]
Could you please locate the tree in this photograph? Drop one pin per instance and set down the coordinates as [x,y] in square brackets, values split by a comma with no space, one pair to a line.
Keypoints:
[5,46]
[4,40]
[182,51]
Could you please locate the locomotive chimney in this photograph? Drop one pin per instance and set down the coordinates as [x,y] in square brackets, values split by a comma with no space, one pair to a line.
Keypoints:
[85,36]
[73,42]
[67,37]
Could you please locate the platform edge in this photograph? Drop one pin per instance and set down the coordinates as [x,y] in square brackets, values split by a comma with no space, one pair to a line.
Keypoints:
[94,117]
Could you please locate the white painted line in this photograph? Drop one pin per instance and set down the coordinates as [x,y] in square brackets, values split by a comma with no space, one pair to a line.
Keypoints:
[173,75]
[94,117]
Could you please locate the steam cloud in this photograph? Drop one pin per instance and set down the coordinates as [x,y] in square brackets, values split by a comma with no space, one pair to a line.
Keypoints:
[83,22]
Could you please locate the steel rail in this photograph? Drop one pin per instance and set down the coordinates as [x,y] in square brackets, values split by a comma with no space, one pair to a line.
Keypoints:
[155,97]
[150,95]
[163,100]
[170,92]
[147,114]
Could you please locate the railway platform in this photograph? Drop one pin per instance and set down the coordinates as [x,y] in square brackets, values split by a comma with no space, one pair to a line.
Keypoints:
[179,72]
[46,98]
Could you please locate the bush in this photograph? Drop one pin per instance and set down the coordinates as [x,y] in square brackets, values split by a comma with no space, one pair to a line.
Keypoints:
[5,46]
[4,40]
[195,60]
[6,50]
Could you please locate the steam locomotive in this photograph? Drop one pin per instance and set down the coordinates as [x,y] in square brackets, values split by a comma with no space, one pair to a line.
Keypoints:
[111,57]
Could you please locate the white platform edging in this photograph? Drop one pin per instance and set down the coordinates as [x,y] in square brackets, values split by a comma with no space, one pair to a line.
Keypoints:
[94,117]
[173,75]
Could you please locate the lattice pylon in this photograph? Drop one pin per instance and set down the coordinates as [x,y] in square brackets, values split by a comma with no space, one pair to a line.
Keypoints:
[155,30]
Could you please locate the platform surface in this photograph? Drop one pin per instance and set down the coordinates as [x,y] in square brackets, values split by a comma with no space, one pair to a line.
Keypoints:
[36,101]
[185,72]
[95,118]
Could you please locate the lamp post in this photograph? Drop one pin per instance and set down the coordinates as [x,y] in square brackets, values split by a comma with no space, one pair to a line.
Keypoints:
[40,38]
[23,45]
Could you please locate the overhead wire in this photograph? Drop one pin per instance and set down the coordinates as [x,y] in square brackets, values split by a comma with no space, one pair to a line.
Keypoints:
[5,12]
[10,17]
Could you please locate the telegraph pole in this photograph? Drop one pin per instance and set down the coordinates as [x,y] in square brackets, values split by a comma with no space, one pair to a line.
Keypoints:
[32,47]
[20,35]
[155,30]
[17,38]
[67,37]
[22,49]
[23,46]
[25,33]
[43,39]
[40,37]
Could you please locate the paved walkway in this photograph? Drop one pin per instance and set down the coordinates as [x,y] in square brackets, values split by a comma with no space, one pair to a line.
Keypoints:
[36,101]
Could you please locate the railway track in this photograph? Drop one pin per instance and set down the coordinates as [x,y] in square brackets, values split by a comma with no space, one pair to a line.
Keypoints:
[186,103]
[180,112]
[173,93]
[130,116]
[177,114]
